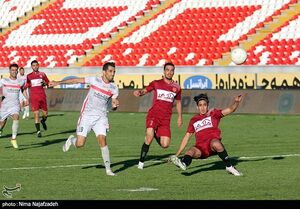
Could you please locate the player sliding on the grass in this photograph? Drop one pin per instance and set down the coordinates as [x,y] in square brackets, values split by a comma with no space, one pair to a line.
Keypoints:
[207,133]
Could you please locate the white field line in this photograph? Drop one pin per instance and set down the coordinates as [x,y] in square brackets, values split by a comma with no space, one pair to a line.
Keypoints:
[151,161]
[43,167]
[141,189]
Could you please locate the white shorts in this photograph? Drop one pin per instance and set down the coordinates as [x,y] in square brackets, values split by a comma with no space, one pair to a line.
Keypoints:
[5,112]
[99,124]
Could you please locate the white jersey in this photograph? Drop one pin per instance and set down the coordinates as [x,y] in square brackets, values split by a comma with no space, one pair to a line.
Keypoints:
[11,91]
[22,97]
[98,97]
[22,77]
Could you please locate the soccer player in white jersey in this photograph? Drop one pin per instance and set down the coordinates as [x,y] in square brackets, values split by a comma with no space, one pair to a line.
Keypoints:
[93,115]
[24,100]
[10,105]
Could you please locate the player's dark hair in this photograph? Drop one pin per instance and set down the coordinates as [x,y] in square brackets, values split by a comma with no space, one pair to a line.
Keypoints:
[34,61]
[168,63]
[106,65]
[13,65]
[201,97]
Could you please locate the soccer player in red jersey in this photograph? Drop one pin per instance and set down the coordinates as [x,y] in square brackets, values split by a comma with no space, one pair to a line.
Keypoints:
[158,119]
[207,133]
[36,81]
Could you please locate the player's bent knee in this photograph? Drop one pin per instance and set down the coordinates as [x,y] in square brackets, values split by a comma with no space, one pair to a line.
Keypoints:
[80,143]
[165,146]
[217,145]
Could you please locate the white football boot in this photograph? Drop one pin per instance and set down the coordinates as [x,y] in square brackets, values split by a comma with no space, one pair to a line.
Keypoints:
[174,159]
[68,144]
[232,170]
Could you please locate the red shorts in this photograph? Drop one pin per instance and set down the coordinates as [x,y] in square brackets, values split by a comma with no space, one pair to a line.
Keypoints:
[161,126]
[38,102]
[204,146]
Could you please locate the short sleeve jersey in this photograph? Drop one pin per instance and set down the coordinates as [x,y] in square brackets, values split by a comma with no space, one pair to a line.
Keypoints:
[23,77]
[98,97]
[206,125]
[163,97]
[11,90]
[35,81]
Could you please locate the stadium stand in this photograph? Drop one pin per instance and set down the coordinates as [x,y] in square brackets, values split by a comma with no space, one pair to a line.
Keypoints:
[12,10]
[63,33]
[279,48]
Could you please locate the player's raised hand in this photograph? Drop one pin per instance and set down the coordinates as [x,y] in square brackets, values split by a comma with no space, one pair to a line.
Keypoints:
[238,98]
[137,93]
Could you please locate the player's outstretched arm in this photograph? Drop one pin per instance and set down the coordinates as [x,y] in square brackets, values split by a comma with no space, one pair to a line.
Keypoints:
[233,107]
[184,142]
[139,93]
[68,81]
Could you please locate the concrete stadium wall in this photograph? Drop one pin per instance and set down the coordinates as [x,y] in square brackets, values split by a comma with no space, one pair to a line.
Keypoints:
[254,102]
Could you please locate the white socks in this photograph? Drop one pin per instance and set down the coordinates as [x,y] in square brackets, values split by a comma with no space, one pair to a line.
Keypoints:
[26,110]
[15,127]
[73,141]
[105,157]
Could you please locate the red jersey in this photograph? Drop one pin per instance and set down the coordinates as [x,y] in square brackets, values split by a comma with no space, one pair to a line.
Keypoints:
[35,81]
[206,127]
[163,98]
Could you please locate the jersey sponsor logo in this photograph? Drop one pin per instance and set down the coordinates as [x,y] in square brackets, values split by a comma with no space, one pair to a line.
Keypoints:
[100,95]
[36,82]
[12,90]
[164,95]
[203,124]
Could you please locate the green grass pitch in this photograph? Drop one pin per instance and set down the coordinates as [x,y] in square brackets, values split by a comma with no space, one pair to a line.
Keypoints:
[265,148]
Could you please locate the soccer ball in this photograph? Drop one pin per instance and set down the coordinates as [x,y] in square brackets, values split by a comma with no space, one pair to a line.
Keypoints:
[238,55]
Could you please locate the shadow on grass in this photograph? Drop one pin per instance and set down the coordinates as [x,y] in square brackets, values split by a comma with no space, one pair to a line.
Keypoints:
[161,159]
[49,116]
[72,131]
[41,142]
[19,134]
[43,134]
[55,114]
[217,165]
